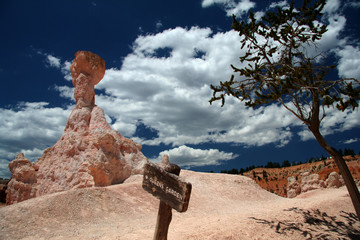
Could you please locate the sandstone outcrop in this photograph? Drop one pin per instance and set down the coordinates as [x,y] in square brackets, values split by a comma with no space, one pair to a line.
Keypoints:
[293,187]
[275,180]
[311,182]
[89,153]
[23,180]
[334,180]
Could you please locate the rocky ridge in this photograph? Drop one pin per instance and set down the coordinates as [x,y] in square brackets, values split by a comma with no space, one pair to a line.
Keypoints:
[294,180]
[89,152]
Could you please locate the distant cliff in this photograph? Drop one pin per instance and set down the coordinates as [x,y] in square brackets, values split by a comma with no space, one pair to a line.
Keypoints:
[275,180]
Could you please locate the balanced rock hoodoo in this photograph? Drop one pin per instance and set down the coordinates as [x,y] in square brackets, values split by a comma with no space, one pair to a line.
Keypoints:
[89,153]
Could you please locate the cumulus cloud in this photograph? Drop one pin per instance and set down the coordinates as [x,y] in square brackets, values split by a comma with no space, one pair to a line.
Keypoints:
[185,156]
[332,39]
[338,121]
[349,62]
[66,92]
[174,93]
[345,49]
[335,122]
[331,6]
[164,83]
[29,128]
[231,7]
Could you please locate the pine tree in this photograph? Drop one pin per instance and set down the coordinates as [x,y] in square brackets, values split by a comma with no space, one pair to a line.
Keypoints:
[280,69]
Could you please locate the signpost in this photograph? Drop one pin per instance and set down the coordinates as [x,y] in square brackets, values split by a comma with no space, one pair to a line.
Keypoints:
[163,182]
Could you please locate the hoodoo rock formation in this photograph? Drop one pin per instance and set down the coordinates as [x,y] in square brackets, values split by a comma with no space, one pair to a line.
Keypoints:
[89,153]
[23,180]
[311,182]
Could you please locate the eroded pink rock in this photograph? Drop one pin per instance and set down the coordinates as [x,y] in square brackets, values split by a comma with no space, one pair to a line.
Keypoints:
[334,180]
[23,181]
[293,187]
[311,182]
[89,153]
[89,64]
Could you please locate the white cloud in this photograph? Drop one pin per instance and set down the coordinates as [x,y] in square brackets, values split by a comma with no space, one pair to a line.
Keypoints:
[280,4]
[271,124]
[231,6]
[331,6]
[185,156]
[349,62]
[352,140]
[31,125]
[240,8]
[32,154]
[29,128]
[305,135]
[53,61]
[56,62]
[208,3]
[346,49]
[65,69]
[66,92]
[332,39]
[336,121]
[170,94]
[259,15]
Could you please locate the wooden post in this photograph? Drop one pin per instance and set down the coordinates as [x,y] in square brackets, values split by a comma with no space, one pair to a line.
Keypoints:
[165,211]
[163,182]
[163,221]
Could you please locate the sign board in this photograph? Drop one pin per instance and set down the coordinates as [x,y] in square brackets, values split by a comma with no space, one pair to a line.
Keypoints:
[167,187]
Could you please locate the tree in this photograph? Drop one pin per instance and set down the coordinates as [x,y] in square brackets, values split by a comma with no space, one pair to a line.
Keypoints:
[272,165]
[269,165]
[341,152]
[283,66]
[286,163]
[348,151]
[265,175]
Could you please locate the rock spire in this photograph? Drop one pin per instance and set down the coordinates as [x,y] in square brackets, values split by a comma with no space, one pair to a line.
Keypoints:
[89,153]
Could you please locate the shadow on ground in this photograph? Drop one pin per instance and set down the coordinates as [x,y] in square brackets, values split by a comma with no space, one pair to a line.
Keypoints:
[317,225]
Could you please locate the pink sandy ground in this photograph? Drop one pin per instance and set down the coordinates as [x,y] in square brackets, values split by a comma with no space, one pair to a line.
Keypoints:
[221,207]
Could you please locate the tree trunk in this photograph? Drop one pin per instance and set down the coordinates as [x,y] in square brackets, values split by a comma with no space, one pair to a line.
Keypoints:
[343,168]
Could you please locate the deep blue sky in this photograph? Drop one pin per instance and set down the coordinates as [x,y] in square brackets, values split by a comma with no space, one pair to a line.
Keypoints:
[161,56]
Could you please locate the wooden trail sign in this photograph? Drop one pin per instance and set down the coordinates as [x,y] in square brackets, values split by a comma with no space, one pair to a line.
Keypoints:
[167,187]
[164,183]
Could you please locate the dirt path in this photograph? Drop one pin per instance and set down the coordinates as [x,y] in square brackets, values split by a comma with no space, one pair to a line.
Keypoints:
[221,207]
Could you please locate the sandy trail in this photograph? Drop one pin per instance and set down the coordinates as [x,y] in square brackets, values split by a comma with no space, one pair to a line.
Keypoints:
[221,207]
